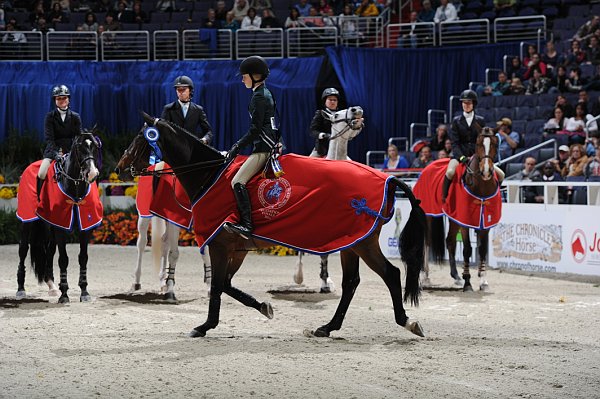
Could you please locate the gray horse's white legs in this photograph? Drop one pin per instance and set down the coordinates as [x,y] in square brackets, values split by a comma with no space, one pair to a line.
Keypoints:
[299,275]
[142,226]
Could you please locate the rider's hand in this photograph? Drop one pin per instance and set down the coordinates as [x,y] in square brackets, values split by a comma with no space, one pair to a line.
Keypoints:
[235,149]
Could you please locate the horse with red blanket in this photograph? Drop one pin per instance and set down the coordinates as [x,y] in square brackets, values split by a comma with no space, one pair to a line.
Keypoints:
[473,203]
[281,205]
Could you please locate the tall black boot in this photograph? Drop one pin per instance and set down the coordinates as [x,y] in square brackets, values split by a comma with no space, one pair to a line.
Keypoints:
[40,183]
[445,188]
[244,227]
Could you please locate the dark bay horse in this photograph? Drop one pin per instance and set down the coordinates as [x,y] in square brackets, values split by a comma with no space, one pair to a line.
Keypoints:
[197,165]
[74,176]
[480,181]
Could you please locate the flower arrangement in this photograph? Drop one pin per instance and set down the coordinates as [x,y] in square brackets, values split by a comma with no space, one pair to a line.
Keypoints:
[8,192]
[277,250]
[2,179]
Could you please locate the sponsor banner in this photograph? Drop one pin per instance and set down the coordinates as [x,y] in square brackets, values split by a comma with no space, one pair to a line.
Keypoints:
[551,238]
[390,233]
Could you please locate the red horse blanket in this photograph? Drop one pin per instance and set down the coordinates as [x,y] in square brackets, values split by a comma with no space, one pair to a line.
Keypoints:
[462,206]
[56,206]
[169,202]
[318,206]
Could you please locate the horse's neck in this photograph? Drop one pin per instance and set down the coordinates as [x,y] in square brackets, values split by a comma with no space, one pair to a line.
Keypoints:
[476,184]
[76,189]
[338,147]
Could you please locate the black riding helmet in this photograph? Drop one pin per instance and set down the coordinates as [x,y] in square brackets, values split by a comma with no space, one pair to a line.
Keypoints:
[255,65]
[469,95]
[60,90]
[184,81]
[330,91]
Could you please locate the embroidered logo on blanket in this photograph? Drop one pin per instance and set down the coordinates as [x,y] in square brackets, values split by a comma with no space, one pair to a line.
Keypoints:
[273,195]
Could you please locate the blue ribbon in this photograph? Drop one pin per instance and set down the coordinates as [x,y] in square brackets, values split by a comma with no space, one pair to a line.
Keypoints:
[151,134]
[361,206]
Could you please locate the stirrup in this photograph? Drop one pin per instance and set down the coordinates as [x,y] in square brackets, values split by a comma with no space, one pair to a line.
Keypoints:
[237,229]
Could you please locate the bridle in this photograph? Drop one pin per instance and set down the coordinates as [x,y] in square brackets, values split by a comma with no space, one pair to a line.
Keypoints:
[349,125]
[75,153]
[477,171]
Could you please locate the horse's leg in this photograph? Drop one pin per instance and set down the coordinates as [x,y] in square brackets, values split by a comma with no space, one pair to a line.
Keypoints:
[327,285]
[23,250]
[467,252]
[299,275]
[453,229]
[53,290]
[482,246]
[63,263]
[142,226]
[171,242]
[159,251]
[207,268]
[425,280]
[84,239]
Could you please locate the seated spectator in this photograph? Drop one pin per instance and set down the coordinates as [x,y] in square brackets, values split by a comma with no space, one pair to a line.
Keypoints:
[556,123]
[515,69]
[516,87]
[110,24]
[12,40]
[427,14]
[268,20]
[535,194]
[561,161]
[501,86]
[439,138]
[531,51]
[535,64]
[442,154]
[260,5]
[587,30]
[366,9]
[240,10]
[592,167]
[593,51]
[348,23]
[313,19]
[211,21]
[165,5]
[408,34]
[576,56]
[508,140]
[529,171]
[324,7]
[230,22]
[37,13]
[221,11]
[568,109]
[303,8]
[551,57]
[56,15]
[538,84]
[251,20]
[292,20]
[393,160]
[576,161]
[576,82]
[330,20]
[583,99]
[446,12]
[423,159]
[123,15]
[575,126]
[560,81]
[42,26]
[500,5]
[448,147]
[138,15]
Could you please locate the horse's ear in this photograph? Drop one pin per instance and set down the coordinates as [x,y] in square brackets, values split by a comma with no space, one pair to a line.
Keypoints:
[147,118]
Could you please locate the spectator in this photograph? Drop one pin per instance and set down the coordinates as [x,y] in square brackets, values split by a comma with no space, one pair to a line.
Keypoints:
[500,5]
[37,13]
[538,84]
[123,15]
[583,99]
[260,5]
[41,26]
[516,87]
[531,51]
[445,12]
[408,34]
[576,161]
[348,23]
[593,51]
[587,30]
[448,147]
[529,171]
[442,154]
[230,22]
[561,161]
[90,24]
[568,109]
[211,22]
[165,5]
[367,9]
[251,20]
[56,15]
[221,12]
[324,7]
[576,125]
[592,167]
[576,55]
[556,123]
[501,86]
[268,20]
[393,160]
[427,14]
[110,24]
[138,15]
[303,8]
[560,81]
[424,158]
[240,10]
[292,20]
[551,57]
[13,41]
[576,82]
[2,20]
[535,64]
[516,69]
[313,19]
[330,20]
[508,139]
[439,139]
[535,194]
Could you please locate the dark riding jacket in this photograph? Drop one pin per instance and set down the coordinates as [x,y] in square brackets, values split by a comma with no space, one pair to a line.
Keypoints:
[319,125]
[58,134]
[463,136]
[262,121]
[195,120]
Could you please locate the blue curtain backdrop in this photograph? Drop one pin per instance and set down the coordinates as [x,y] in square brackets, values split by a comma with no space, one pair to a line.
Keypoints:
[394,87]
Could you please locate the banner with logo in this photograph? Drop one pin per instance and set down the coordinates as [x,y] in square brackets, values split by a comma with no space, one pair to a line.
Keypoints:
[551,238]
[390,233]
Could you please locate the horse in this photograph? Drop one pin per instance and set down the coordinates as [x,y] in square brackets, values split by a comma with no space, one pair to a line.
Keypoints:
[199,167]
[79,203]
[165,235]
[482,188]
[343,129]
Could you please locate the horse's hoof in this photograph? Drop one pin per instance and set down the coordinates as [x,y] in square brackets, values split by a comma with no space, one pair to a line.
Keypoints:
[467,288]
[266,309]
[415,328]
[327,287]
[135,287]
[85,298]
[484,287]
[458,282]
[196,334]
[21,294]
[426,282]
[321,332]
[53,292]
[63,299]
[170,297]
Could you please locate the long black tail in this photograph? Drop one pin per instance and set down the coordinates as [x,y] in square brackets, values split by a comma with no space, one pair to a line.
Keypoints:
[412,245]
[437,240]
[39,241]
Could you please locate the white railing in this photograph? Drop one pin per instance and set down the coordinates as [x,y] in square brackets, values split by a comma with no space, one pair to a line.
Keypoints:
[375,158]
[469,31]
[21,45]
[308,41]
[398,35]
[196,47]
[65,45]
[165,45]
[514,29]
[267,43]
[551,191]
[125,45]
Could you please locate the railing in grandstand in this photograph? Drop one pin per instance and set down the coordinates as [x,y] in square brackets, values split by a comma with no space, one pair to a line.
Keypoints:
[267,43]
[200,44]
[21,45]
[65,45]
[491,75]
[530,150]
[551,194]
[470,31]
[434,118]
[375,159]
[309,41]
[424,31]
[417,130]
[165,45]
[125,45]
[512,29]
[398,141]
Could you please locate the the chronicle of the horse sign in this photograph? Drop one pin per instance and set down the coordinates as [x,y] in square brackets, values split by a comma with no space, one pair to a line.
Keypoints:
[273,195]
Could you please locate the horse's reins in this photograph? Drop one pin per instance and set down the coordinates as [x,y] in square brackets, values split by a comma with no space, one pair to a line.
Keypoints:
[75,153]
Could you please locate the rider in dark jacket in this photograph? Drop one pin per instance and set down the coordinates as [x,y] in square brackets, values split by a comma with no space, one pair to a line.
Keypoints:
[61,125]
[320,127]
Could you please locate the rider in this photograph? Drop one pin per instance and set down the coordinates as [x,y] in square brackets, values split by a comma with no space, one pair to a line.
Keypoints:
[187,114]
[262,134]
[61,125]
[320,127]
[463,134]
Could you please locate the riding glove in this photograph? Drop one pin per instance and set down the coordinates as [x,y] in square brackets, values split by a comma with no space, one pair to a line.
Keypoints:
[464,159]
[235,149]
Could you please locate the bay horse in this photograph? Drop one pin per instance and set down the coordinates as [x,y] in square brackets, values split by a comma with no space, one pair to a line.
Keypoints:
[197,166]
[165,235]
[79,206]
[346,124]
[480,181]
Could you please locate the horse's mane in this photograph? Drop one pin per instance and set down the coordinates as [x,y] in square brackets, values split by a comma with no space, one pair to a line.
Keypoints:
[198,145]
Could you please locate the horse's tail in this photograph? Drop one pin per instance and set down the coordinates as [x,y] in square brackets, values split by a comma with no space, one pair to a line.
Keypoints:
[158,230]
[39,240]
[437,239]
[412,245]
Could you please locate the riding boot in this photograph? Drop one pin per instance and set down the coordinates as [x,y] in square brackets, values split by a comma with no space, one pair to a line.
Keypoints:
[445,188]
[244,227]
[40,183]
